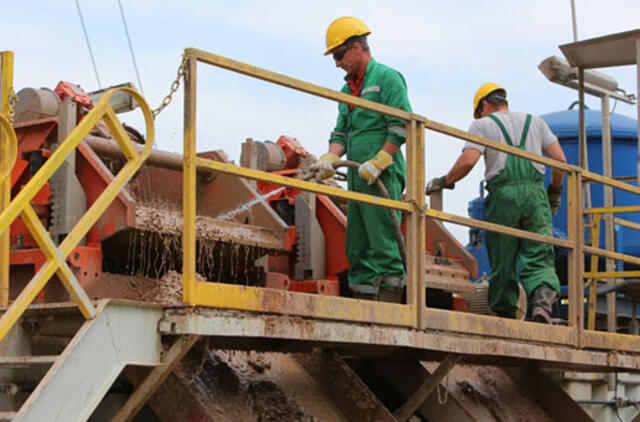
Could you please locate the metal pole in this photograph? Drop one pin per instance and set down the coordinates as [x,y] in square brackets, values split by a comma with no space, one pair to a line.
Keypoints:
[189,183]
[582,141]
[6,88]
[574,20]
[638,102]
[607,168]
[416,220]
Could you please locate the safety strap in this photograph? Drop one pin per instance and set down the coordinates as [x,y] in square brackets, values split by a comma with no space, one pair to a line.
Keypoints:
[525,130]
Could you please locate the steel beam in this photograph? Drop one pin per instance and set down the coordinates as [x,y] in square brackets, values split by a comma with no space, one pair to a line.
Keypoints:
[430,384]
[408,375]
[343,386]
[157,376]
[238,329]
[122,334]
[6,163]
[548,394]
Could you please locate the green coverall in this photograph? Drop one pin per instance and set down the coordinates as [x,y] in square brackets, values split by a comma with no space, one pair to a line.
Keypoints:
[517,198]
[371,247]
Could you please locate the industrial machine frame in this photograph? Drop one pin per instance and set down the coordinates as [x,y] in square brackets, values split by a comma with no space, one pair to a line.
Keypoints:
[414,314]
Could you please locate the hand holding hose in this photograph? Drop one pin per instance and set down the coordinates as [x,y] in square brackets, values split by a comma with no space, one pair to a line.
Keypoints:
[324,167]
[372,169]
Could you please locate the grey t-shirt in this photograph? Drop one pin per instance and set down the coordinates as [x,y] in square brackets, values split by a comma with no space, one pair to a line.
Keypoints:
[538,139]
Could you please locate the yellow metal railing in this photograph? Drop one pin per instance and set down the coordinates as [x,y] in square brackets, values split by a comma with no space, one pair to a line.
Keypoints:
[8,151]
[414,313]
[21,206]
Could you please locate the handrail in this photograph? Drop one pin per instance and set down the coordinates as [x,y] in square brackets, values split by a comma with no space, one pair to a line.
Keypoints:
[235,297]
[21,206]
[626,223]
[617,209]
[7,150]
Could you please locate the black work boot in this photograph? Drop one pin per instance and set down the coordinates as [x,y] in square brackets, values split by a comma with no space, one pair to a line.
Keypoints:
[390,295]
[365,296]
[543,299]
[507,314]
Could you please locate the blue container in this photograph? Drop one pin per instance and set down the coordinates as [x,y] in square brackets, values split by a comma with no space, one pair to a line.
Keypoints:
[564,124]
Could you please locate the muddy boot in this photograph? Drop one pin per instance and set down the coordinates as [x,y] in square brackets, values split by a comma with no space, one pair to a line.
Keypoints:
[543,299]
[390,295]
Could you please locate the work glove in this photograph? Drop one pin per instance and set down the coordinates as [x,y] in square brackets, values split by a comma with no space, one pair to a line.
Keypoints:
[554,193]
[437,184]
[323,168]
[372,169]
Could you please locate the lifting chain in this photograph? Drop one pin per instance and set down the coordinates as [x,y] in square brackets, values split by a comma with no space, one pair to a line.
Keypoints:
[174,87]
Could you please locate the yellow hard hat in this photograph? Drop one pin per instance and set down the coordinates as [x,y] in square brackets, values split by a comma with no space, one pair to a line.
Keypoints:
[482,92]
[342,29]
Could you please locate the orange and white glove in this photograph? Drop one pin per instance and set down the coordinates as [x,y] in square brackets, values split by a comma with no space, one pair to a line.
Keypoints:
[372,169]
[323,168]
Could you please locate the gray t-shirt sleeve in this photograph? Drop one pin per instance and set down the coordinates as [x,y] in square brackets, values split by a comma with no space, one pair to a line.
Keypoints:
[546,136]
[476,128]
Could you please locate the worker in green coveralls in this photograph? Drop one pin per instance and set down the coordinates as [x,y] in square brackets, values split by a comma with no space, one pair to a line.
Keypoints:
[517,198]
[376,270]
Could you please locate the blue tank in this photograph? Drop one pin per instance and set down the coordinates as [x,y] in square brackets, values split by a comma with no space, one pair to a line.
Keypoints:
[564,124]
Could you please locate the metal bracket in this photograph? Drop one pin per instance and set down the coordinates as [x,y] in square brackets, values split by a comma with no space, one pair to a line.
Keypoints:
[69,201]
[430,384]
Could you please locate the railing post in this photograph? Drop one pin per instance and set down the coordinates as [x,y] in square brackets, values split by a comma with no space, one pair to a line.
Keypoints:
[189,182]
[575,262]
[6,88]
[416,221]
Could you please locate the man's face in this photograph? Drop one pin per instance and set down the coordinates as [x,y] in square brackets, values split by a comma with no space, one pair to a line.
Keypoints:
[346,58]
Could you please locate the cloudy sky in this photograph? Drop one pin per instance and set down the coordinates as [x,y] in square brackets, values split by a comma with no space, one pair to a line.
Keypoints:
[445,49]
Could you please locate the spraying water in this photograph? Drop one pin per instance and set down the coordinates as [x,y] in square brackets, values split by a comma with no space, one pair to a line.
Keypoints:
[247,205]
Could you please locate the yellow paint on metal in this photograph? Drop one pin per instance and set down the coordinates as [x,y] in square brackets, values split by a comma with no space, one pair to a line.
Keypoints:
[602,210]
[189,184]
[595,242]
[256,72]
[264,176]
[626,223]
[230,296]
[21,206]
[484,225]
[610,182]
[613,255]
[611,274]
[485,325]
[479,140]
[8,151]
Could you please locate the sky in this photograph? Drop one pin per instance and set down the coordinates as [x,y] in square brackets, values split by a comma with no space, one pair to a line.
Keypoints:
[445,50]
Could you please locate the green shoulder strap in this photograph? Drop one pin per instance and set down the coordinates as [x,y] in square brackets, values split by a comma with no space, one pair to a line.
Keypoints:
[502,128]
[525,130]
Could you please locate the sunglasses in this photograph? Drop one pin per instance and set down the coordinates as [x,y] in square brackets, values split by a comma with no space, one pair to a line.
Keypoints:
[338,55]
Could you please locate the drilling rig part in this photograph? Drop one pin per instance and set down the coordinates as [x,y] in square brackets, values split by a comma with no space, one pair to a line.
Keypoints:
[69,201]
[310,259]
[35,104]
[430,384]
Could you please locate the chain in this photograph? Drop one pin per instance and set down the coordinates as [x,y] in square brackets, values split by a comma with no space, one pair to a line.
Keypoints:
[442,397]
[182,70]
